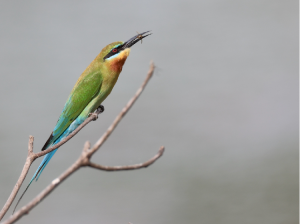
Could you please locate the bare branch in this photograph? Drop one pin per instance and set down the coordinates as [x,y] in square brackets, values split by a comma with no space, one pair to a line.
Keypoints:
[84,159]
[25,209]
[33,156]
[23,175]
[86,146]
[131,167]
[30,145]
[78,164]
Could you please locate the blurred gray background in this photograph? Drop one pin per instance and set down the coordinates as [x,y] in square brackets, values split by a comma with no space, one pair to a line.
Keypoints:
[224,103]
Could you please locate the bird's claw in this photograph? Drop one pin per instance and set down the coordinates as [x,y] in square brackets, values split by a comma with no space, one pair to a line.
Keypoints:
[96,116]
[98,111]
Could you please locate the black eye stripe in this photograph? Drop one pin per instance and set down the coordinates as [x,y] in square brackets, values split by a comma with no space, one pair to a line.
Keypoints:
[114,51]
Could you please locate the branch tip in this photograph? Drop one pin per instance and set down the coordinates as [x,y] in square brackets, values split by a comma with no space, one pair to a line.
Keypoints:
[161,150]
[87,146]
[30,144]
[131,167]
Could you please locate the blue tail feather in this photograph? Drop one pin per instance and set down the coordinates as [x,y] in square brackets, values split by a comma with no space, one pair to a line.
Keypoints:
[43,164]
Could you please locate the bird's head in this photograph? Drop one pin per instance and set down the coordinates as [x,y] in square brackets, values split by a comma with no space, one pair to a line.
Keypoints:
[115,54]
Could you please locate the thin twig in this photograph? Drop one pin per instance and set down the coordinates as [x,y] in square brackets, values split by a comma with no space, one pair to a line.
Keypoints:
[84,159]
[131,167]
[24,172]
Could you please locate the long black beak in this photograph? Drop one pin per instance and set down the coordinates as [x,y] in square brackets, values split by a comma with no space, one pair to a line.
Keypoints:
[135,39]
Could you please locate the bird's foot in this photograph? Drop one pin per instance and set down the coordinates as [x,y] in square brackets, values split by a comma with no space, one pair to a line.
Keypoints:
[98,111]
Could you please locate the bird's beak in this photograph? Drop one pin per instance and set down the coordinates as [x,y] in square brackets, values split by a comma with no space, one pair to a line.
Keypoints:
[129,43]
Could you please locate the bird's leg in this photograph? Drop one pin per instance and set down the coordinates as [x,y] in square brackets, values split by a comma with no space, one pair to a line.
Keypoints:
[98,111]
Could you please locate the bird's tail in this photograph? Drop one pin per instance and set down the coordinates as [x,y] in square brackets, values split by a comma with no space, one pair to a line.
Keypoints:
[37,173]
[43,165]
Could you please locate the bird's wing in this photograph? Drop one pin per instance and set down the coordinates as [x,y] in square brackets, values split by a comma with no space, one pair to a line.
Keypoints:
[83,92]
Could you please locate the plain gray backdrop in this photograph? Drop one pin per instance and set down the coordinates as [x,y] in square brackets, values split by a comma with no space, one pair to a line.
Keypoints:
[223,101]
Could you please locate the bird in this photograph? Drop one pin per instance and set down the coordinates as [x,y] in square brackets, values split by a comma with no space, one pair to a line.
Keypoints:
[90,90]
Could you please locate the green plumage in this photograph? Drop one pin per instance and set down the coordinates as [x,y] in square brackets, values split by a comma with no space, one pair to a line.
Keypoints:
[90,90]
[82,94]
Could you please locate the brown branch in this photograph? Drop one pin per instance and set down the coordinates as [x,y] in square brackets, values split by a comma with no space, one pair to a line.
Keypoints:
[33,156]
[84,159]
[25,209]
[24,172]
[131,167]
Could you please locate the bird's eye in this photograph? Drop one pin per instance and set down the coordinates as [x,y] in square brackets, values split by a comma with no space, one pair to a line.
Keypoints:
[114,50]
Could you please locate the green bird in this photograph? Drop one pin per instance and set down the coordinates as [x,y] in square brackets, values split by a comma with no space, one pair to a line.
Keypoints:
[90,90]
